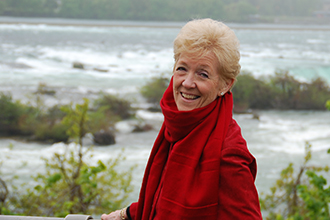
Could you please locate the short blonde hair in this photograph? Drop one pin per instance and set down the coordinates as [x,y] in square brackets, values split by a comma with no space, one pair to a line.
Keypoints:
[201,36]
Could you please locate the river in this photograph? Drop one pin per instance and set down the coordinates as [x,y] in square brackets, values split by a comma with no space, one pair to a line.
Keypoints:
[34,51]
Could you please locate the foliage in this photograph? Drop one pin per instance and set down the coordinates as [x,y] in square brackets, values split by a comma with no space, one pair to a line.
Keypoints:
[44,124]
[114,106]
[153,90]
[240,11]
[299,196]
[292,94]
[51,133]
[7,190]
[327,104]
[50,128]
[43,89]
[170,10]
[16,117]
[23,8]
[250,92]
[3,194]
[281,91]
[9,114]
[286,88]
[76,119]
[316,197]
[70,184]
[20,119]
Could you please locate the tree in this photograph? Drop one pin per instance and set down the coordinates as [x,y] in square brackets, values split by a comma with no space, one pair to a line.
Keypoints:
[69,184]
[240,11]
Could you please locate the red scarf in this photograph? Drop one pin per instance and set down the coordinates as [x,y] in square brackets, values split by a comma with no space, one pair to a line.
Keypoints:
[181,180]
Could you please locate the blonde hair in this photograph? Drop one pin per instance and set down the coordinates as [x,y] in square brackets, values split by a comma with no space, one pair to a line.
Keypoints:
[199,37]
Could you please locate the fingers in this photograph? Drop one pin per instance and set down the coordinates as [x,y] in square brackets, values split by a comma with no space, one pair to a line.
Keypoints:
[104,217]
[111,216]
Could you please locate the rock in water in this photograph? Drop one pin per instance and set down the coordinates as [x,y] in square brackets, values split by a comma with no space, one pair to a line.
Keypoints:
[78,65]
[104,138]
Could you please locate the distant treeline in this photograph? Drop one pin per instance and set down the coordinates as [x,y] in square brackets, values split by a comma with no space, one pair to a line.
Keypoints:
[161,10]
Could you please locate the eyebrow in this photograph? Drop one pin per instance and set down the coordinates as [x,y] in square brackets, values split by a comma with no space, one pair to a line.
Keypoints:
[205,66]
[200,66]
[182,63]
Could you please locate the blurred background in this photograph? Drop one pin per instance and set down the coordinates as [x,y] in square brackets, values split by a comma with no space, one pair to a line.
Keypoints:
[118,55]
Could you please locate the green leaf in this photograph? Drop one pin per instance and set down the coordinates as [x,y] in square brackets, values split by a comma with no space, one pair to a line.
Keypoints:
[54,178]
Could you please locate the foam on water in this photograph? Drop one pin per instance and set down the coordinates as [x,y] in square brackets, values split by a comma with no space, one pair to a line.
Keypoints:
[51,28]
[146,115]
[275,140]
[136,54]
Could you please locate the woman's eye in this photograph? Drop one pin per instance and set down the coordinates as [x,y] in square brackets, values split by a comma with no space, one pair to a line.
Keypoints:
[180,68]
[204,75]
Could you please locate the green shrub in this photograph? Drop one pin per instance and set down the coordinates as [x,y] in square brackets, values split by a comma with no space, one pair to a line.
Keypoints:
[102,121]
[292,94]
[298,196]
[16,118]
[112,105]
[10,113]
[327,104]
[153,91]
[43,89]
[250,92]
[287,90]
[3,194]
[72,186]
[49,128]
[51,133]
[280,91]
[313,95]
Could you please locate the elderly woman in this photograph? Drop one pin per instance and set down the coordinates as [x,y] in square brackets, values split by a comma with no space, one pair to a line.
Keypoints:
[199,166]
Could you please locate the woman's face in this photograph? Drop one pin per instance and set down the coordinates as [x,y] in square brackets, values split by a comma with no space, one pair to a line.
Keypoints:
[196,82]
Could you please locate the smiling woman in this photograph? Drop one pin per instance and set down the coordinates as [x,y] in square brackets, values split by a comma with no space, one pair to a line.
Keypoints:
[196,82]
[199,166]
[206,63]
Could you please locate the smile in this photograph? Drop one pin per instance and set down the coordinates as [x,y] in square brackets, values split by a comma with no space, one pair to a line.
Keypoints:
[191,97]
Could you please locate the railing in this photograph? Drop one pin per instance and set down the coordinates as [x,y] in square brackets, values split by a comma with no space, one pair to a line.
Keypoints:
[68,217]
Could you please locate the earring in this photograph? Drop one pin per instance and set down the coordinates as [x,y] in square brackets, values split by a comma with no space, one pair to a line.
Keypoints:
[222,93]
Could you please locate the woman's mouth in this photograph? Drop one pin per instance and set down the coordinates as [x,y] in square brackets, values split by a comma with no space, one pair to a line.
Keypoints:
[188,96]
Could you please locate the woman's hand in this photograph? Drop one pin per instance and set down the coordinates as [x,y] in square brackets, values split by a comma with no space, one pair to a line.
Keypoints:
[112,216]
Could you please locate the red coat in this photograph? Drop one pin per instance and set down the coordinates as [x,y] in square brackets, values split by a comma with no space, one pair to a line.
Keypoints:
[237,193]
[199,168]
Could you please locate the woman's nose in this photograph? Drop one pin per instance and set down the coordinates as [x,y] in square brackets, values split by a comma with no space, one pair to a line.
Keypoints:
[189,81]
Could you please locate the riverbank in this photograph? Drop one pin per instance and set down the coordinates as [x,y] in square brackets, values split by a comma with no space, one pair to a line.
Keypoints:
[156,24]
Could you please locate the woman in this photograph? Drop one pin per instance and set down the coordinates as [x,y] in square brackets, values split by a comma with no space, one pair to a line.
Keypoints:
[199,167]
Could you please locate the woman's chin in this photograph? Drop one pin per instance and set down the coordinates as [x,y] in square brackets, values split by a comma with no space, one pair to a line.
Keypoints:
[186,106]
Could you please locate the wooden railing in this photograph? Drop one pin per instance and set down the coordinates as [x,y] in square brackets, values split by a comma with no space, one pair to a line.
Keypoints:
[68,217]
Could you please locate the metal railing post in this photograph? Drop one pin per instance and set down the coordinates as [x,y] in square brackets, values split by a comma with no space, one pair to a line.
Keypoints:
[68,217]
[78,217]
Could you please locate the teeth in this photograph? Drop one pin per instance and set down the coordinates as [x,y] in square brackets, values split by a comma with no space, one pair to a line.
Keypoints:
[189,96]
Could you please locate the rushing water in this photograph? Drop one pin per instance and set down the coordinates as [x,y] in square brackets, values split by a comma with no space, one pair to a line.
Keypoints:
[134,52]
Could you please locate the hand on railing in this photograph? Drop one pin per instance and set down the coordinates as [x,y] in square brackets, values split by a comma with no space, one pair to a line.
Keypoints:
[68,217]
[116,215]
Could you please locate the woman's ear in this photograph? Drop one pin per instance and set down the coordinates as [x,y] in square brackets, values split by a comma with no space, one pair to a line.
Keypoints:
[227,87]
